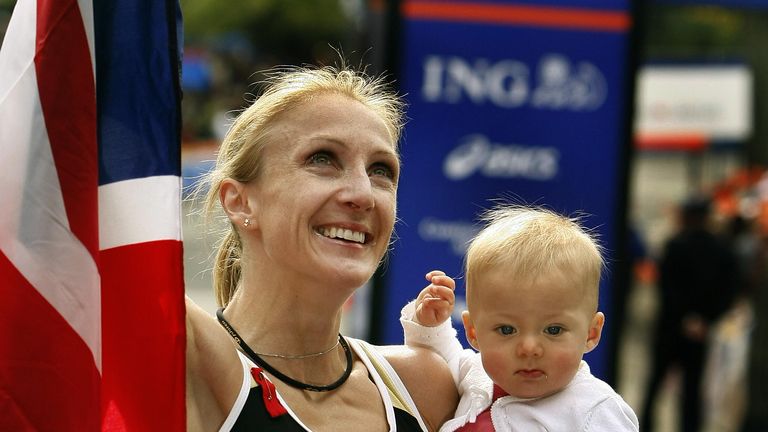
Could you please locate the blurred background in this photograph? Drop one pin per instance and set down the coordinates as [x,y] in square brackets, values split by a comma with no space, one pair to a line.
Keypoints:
[689,121]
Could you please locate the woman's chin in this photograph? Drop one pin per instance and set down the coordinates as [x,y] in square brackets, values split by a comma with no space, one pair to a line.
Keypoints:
[353,276]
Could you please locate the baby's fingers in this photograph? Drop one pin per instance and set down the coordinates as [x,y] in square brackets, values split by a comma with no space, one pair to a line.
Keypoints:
[435,307]
[441,292]
[443,280]
[434,273]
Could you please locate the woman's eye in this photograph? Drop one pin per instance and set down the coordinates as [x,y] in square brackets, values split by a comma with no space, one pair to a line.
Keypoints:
[553,330]
[381,170]
[320,158]
[505,330]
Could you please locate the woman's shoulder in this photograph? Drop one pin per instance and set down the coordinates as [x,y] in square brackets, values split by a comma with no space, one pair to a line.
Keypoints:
[207,339]
[409,358]
[428,380]
[214,370]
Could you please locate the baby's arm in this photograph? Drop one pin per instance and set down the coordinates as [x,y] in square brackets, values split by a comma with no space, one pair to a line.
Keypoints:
[435,303]
[426,323]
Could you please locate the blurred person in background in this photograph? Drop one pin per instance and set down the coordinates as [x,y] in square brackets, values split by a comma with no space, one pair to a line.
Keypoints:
[756,416]
[307,177]
[725,378]
[698,278]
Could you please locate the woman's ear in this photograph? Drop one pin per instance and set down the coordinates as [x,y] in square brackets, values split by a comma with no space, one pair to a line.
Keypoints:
[595,331]
[235,202]
[469,330]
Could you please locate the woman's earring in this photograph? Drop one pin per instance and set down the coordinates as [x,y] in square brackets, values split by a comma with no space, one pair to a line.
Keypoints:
[246,222]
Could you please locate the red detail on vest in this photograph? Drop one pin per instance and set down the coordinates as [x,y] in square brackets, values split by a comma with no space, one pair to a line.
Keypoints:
[483,422]
[268,393]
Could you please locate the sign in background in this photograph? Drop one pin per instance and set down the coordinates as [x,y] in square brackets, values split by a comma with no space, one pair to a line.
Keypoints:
[688,105]
[523,100]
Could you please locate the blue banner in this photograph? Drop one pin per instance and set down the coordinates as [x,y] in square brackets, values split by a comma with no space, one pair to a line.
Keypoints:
[523,100]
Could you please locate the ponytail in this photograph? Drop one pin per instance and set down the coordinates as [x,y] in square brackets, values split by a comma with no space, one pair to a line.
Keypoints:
[226,268]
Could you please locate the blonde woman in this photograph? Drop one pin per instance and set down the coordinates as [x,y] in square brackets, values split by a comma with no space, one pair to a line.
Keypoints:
[308,177]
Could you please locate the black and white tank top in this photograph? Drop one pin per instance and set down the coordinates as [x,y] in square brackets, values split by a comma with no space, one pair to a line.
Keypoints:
[250,414]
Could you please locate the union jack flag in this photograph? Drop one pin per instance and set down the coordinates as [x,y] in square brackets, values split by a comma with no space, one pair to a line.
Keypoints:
[91,281]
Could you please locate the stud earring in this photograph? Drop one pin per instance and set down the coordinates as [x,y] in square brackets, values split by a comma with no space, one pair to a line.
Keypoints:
[246,222]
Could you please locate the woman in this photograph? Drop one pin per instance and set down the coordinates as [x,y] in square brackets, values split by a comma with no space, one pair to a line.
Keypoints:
[308,178]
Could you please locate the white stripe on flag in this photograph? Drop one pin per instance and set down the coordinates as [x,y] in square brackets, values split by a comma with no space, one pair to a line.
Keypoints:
[86,12]
[17,54]
[139,210]
[35,235]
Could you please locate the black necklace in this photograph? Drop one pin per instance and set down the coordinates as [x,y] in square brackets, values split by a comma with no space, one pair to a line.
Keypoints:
[279,375]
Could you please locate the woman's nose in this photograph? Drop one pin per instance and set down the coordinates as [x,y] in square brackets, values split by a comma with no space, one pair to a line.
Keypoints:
[357,191]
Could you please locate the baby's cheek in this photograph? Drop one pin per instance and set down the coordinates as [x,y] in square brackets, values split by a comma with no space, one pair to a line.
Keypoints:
[496,364]
[564,366]
[567,359]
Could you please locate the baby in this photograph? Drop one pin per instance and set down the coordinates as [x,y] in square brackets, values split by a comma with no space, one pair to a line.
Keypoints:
[532,287]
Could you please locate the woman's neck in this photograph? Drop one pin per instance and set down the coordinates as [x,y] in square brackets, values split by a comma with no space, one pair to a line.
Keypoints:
[292,317]
[290,355]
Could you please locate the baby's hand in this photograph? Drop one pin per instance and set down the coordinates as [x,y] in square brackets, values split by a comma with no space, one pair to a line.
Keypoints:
[435,302]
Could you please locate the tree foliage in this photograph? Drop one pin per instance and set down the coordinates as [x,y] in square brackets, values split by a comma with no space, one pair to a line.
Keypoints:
[288,30]
[675,31]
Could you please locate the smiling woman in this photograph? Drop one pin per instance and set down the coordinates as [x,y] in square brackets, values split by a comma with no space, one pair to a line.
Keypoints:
[307,177]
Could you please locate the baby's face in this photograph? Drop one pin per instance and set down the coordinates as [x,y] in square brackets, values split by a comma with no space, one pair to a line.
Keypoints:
[531,337]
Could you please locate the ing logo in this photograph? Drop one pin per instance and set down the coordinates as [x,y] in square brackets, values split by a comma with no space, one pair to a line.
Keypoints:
[557,83]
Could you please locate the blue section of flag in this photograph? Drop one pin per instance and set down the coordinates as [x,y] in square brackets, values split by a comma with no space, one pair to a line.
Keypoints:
[137,86]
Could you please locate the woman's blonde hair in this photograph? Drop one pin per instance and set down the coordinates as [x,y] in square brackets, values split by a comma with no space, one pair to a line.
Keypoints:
[239,154]
[533,241]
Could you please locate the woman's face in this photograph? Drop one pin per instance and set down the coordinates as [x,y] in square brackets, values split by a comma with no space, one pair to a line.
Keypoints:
[326,194]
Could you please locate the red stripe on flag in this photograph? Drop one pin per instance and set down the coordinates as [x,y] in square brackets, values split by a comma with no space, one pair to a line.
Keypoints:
[48,380]
[143,373]
[68,98]
[537,16]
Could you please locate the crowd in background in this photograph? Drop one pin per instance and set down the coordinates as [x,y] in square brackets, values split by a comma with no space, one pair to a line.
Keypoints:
[706,341]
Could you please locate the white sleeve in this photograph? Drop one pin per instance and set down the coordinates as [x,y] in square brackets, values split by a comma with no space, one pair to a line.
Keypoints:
[612,415]
[441,339]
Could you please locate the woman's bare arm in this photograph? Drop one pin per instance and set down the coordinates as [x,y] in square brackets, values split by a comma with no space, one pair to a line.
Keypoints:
[428,379]
[214,372]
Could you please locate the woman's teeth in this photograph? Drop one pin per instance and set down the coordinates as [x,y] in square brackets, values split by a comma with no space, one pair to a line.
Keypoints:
[343,233]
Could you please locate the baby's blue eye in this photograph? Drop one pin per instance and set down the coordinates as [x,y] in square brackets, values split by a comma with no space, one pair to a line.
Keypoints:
[505,330]
[553,330]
